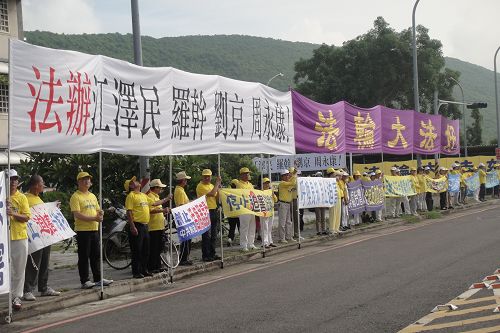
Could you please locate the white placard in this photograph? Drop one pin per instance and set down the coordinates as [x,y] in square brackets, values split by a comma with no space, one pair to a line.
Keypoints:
[316,192]
[304,162]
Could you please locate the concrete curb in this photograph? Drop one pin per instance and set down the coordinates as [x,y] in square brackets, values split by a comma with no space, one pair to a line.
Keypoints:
[78,297]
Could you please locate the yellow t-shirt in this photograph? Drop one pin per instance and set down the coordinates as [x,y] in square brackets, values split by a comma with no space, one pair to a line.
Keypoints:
[33,200]
[294,189]
[244,185]
[139,204]
[416,183]
[285,189]
[19,204]
[340,188]
[85,203]
[482,176]
[202,189]
[156,221]
[421,183]
[180,196]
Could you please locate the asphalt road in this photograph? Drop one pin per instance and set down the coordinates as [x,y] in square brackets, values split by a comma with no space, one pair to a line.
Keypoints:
[376,282]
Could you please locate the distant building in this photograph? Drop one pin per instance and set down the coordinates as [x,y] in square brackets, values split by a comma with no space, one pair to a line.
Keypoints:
[11,26]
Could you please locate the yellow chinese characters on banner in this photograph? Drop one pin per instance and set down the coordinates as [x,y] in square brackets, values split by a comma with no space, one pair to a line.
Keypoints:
[428,133]
[365,131]
[399,128]
[329,133]
[236,202]
[436,185]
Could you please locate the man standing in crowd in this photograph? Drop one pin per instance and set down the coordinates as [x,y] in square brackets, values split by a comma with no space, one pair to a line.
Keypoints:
[294,208]
[139,210]
[421,205]
[319,213]
[209,238]
[234,222]
[181,198]
[19,213]
[37,266]
[357,216]
[335,212]
[414,198]
[156,226]
[379,213]
[392,202]
[247,221]
[428,195]
[88,215]
[342,181]
[482,182]
[266,223]
[454,196]
[285,198]
[443,198]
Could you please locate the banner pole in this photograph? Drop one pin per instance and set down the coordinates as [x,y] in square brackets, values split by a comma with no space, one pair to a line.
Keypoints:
[220,220]
[8,319]
[297,210]
[262,188]
[382,157]
[171,266]
[100,227]
[350,163]
[271,185]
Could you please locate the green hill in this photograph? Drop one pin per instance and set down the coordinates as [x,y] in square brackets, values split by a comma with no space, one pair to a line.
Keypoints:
[245,58]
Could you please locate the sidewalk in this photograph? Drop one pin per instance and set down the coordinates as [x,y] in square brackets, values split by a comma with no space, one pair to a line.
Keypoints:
[64,275]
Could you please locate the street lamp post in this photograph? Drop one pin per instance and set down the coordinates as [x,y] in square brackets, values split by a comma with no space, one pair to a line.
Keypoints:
[279,74]
[415,65]
[496,96]
[463,114]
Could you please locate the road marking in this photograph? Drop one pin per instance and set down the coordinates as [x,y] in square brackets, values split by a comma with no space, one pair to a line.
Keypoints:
[485,330]
[442,314]
[244,272]
[419,328]
[475,300]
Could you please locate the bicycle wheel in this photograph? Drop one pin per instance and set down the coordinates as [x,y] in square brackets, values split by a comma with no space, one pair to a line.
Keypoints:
[166,260]
[117,250]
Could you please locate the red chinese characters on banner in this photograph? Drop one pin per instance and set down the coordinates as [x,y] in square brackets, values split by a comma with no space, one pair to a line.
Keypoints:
[47,96]
[200,216]
[45,224]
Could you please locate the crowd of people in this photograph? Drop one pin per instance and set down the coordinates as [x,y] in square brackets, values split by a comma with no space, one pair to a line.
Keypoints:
[146,219]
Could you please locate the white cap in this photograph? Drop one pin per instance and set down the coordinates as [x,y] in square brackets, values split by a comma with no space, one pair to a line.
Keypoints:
[365,173]
[481,164]
[372,174]
[394,169]
[284,172]
[318,174]
[345,174]
[12,173]
[427,168]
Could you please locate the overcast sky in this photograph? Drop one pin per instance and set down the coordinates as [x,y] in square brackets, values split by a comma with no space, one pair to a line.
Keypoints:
[468,29]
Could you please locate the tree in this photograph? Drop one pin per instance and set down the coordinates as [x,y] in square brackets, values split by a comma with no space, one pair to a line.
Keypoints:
[376,68]
[474,132]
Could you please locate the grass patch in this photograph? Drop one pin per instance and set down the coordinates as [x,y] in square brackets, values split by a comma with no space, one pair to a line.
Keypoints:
[410,219]
[434,214]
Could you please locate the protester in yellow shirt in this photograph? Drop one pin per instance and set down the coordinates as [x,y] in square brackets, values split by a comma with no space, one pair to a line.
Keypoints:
[247,221]
[19,214]
[210,191]
[285,197]
[482,181]
[266,223]
[37,267]
[156,225]
[88,215]
[181,198]
[414,198]
[335,212]
[295,213]
[138,206]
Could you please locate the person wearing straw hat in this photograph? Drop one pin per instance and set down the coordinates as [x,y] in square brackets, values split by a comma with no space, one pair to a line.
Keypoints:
[139,210]
[37,266]
[455,196]
[234,222]
[88,215]
[285,197]
[181,198]
[429,200]
[482,181]
[209,238]
[413,202]
[379,213]
[421,205]
[156,225]
[320,214]
[19,214]
[335,212]
[295,213]
[247,221]
[267,222]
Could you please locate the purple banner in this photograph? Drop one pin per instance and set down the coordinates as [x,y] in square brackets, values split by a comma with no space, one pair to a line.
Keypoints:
[363,129]
[357,201]
[450,143]
[319,128]
[374,195]
[426,133]
[397,131]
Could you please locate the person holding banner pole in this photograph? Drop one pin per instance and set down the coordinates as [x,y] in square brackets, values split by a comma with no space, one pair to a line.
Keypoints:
[234,222]
[344,179]
[247,221]
[414,198]
[181,198]
[319,213]
[295,213]
[209,238]
[379,213]
[267,222]
[421,206]
[285,197]
[455,196]
[335,212]
[88,215]
[37,266]
[482,182]
[356,216]
[19,213]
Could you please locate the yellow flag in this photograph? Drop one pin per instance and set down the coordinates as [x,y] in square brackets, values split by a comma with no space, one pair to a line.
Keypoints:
[236,202]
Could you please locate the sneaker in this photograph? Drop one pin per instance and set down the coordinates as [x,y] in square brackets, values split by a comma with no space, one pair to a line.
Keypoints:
[283,241]
[50,292]
[28,296]
[104,282]
[229,242]
[88,285]
[244,249]
[273,245]
[252,247]
[17,304]
[291,240]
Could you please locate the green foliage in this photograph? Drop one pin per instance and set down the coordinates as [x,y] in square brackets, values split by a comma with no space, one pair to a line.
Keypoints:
[434,214]
[474,132]
[376,68]
[63,198]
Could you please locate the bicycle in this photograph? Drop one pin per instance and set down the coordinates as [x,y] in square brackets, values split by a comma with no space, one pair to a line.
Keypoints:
[118,255]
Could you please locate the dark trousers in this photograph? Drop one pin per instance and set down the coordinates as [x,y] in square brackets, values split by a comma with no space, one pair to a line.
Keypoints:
[209,238]
[40,273]
[482,191]
[295,221]
[442,200]
[185,250]
[88,251]
[429,201]
[139,246]
[233,223]
[155,248]
[495,190]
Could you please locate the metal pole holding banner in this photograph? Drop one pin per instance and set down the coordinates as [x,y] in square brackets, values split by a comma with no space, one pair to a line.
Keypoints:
[297,209]
[100,227]
[8,319]
[171,266]
[350,163]
[262,188]
[220,219]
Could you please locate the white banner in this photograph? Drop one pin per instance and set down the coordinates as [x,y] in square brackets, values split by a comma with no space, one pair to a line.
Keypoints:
[71,102]
[4,238]
[316,192]
[304,162]
[47,226]
[192,219]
